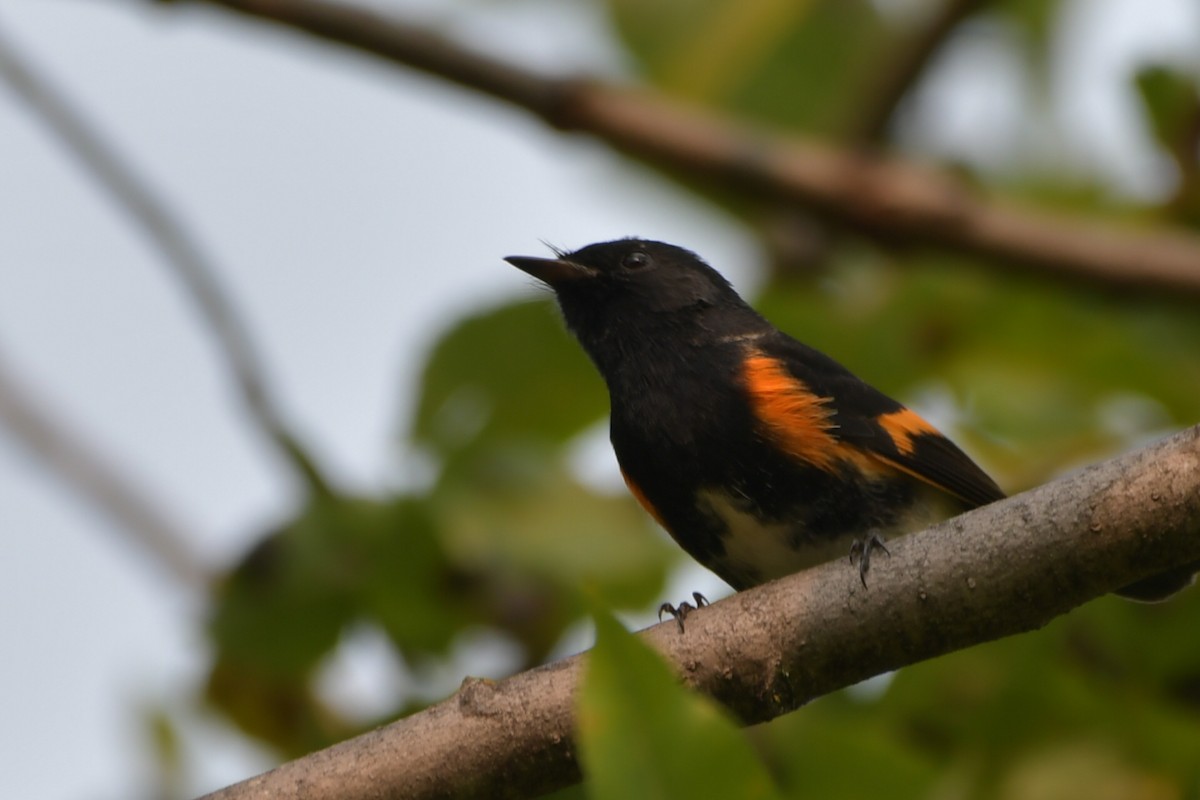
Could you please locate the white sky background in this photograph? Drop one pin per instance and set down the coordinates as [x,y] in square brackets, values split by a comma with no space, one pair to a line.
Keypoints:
[355,211]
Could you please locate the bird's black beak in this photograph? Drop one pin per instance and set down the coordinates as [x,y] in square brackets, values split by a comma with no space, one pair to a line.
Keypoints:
[553,271]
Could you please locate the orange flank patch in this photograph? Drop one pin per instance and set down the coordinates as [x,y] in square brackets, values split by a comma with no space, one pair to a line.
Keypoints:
[796,418]
[638,495]
[902,426]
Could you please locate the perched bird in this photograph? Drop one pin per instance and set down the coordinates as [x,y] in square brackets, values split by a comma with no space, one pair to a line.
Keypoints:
[759,455]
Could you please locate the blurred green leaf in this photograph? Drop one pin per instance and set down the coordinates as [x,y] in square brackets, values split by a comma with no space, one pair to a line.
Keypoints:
[641,734]
[280,710]
[519,511]
[839,746]
[1170,99]
[284,608]
[789,63]
[419,596]
[287,603]
[1037,20]
[509,373]
[1084,708]
[162,730]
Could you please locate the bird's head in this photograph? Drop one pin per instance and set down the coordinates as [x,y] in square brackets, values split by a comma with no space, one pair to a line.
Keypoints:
[630,282]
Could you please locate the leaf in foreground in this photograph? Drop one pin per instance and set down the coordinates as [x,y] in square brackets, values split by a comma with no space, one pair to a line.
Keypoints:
[642,734]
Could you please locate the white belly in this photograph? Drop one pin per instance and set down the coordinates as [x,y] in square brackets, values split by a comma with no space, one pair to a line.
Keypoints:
[756,552]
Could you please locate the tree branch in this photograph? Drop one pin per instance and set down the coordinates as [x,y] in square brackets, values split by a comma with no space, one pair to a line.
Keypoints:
[1003,569]
[98,480]
[886,199]
[170,236]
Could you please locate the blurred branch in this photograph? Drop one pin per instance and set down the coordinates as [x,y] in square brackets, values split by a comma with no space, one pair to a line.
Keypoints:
[1007,568]
[97,479]
[166,232]
[882,198]
[901,69]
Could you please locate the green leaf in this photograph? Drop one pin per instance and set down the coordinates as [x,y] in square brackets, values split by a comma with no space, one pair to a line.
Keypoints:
[279,610]
[517,510]
[1062,689]
[406,581]
[1037,19]
[281,710]
[1109,692]
[792,63]
[512,372]
[641,734]
[162,735]
[821,750]
[285,605]
[1169,97]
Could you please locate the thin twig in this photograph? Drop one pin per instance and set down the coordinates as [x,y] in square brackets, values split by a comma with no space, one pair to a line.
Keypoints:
[170,236]
[901,69]
[97,479]
[887,199]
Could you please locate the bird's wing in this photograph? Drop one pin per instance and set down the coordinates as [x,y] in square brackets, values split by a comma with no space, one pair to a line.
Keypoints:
[821,413]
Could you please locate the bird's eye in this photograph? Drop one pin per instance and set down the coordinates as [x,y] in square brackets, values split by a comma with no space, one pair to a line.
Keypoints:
[635,260]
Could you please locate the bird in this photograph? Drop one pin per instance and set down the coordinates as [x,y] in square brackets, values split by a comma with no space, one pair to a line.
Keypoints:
[759,455]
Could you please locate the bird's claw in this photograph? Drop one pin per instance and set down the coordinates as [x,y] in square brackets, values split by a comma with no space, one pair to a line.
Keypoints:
[860,552]
[681,611]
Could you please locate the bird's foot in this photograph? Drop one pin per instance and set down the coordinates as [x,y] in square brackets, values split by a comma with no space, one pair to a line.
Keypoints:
[860,553]
[681,611]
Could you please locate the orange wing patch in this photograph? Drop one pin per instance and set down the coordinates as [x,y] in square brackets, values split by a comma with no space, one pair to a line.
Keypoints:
[800,422]
[793,415]
[902,426]
[645,503]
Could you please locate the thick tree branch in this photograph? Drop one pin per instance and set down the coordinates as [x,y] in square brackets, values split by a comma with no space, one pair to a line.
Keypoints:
[883,198]
[1007,568]
[170,236]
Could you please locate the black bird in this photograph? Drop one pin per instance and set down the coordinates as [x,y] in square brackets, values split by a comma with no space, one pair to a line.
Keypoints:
[758,454]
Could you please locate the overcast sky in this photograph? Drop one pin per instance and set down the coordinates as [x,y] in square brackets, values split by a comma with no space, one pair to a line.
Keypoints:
[355,211]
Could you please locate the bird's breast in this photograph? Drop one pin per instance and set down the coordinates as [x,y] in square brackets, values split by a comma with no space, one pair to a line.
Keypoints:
[755,549]
[758,547]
